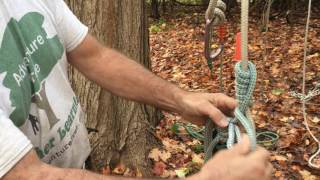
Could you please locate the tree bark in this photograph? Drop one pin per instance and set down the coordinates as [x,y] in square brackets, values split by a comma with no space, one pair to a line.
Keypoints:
[124,128]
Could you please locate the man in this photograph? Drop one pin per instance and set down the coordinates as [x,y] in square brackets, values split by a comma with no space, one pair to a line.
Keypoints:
[42,135]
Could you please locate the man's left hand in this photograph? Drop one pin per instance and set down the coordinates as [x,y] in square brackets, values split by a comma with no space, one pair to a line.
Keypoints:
[197,108]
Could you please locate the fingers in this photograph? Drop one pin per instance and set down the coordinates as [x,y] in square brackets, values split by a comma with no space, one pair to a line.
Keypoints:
[242,148]
[216,115]
[261,154]
[263,167]
[225,103]
[269,171]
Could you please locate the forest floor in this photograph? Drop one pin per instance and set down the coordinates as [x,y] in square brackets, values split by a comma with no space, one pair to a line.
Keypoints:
[176,43]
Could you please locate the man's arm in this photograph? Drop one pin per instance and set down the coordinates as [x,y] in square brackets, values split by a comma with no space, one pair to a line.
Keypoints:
[124,77]
[237,163]
[30,167]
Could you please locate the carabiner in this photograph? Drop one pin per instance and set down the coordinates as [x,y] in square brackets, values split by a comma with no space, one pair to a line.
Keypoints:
[210,54]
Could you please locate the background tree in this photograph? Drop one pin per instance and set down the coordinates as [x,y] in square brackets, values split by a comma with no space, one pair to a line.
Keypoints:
[124,134]
[155,9]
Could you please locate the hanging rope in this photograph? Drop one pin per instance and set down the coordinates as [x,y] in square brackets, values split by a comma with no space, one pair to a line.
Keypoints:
[244,33]
[214,16]
[304,98]
[246,76]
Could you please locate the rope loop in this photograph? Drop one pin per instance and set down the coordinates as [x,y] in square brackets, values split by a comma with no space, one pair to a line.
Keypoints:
[215,13]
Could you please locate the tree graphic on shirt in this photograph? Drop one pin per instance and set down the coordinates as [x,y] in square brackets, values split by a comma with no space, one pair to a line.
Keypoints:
[27,57]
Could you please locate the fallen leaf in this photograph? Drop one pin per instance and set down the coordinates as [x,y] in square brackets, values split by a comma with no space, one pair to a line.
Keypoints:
[159,168]
[277,91]
[120,169]
[182,172]
[156,155]
[197,159]
[315,120]
[306,175]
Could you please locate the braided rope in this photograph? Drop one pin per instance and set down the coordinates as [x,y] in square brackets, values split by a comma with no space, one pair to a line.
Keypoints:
[211,144]
[244,33]
[245,85]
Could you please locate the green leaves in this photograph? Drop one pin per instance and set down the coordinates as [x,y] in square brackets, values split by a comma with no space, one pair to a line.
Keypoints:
[277,91]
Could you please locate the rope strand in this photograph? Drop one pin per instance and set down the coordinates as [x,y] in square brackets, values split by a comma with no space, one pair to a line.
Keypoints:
[310,161]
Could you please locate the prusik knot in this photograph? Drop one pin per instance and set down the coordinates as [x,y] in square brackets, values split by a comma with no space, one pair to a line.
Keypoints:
[245,84]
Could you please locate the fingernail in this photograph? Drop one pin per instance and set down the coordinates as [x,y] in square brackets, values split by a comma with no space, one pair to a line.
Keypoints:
[224,122]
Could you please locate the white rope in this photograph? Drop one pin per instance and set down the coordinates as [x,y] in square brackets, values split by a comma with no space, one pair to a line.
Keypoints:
[215,12]
[310,161]
[244,33]
[210,11]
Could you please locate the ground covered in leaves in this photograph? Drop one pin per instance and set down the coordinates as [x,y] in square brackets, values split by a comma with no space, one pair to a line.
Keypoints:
[176,43]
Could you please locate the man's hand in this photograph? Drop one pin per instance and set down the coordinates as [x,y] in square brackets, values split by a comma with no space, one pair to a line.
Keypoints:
[198,107]
[237,163]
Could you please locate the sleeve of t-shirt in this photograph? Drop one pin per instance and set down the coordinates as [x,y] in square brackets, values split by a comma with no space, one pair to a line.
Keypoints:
[14,145]
[70,30]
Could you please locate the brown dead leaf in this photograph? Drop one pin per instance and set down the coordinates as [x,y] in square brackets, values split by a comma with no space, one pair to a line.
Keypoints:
[158,155]
[120,169]
[197,159]
[159,168]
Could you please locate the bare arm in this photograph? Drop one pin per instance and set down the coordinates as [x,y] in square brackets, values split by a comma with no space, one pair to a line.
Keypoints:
[234,164]
[124,77]
[30,167]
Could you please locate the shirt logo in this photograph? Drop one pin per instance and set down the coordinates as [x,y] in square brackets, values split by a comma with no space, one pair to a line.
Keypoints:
[27,57]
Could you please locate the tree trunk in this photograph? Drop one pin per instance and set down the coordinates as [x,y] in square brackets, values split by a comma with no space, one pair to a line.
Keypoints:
[205,2]
[124,128]
[164,6]
[155,9]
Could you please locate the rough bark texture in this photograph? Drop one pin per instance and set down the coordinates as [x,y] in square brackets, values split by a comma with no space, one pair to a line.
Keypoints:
[124,128]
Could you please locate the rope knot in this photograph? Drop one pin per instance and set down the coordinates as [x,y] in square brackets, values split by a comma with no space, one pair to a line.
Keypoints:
[216,14]
[245,84]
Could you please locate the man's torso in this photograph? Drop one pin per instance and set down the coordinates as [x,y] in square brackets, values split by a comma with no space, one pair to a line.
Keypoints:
[34,88]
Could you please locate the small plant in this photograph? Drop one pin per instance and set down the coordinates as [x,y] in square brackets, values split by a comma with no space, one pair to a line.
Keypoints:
[158,26]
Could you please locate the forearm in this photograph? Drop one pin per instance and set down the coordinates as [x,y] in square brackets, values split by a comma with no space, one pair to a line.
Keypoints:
[126,78]
[47,172]
[72,174]
[30,167]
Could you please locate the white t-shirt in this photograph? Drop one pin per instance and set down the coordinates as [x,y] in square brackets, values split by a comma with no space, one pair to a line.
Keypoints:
[38,108]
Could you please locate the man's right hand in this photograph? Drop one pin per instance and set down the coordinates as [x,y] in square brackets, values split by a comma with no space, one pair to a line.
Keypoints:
[238,163]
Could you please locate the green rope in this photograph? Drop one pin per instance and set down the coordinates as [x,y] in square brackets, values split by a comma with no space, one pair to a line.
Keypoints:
[196,134]
[267,138]
[245,85]
[190,129]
